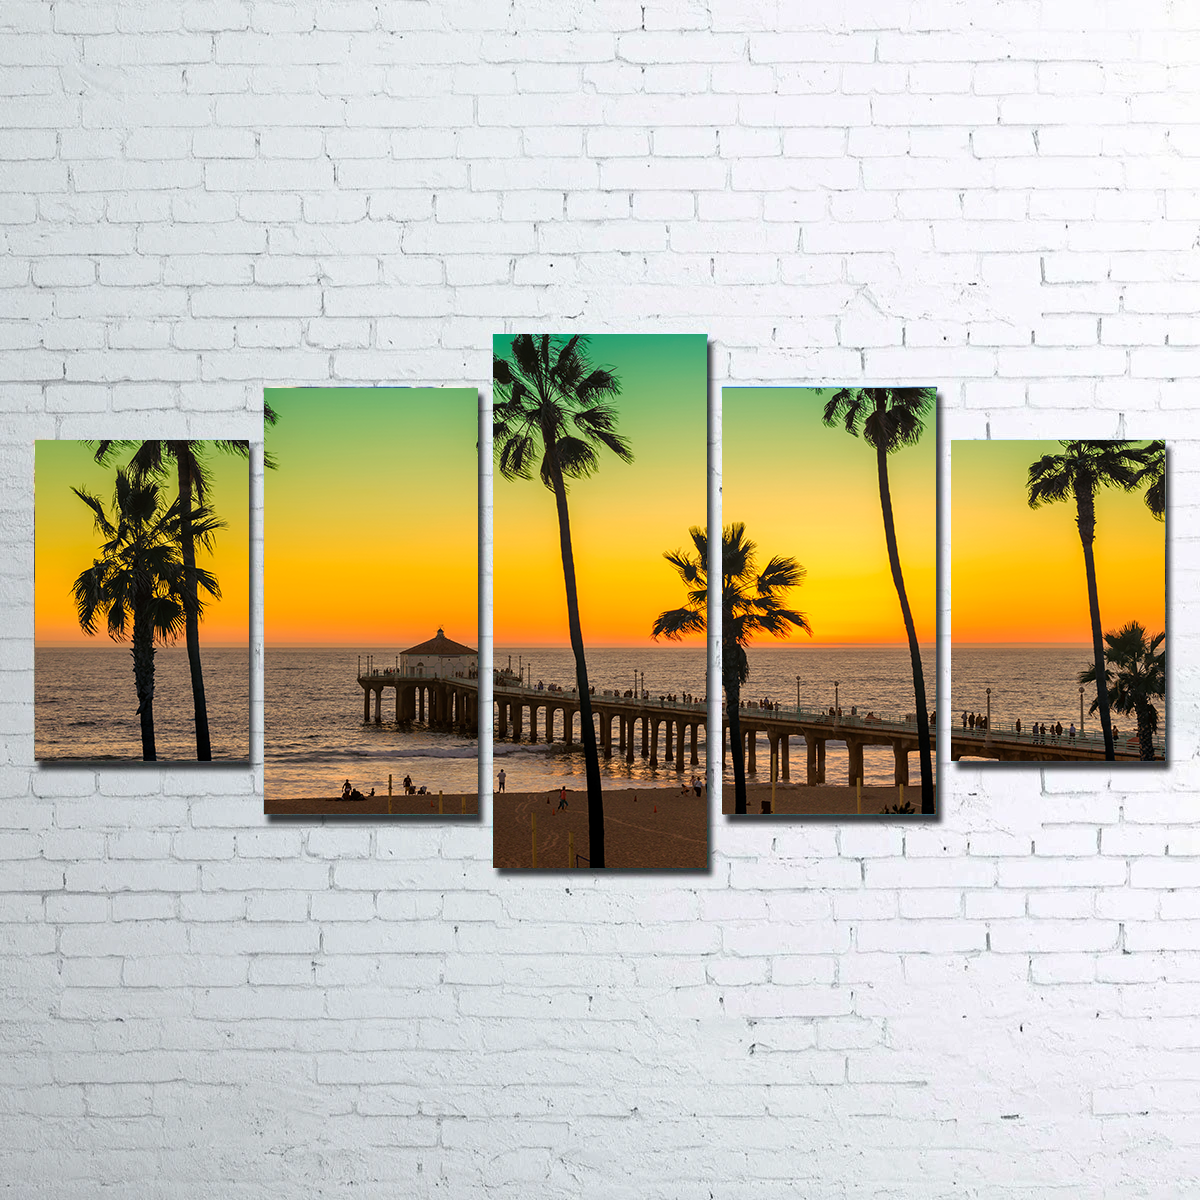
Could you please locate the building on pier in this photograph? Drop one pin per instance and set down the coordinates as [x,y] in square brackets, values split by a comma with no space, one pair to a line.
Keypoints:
[436,682]
[440,657]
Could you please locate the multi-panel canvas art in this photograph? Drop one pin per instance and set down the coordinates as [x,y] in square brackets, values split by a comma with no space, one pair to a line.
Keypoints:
[829,499]
[599,676]
[1058,582]
[142,601]
[371,671]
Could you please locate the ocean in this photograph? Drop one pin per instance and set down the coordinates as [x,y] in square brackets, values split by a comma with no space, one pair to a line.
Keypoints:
[85,705]
[315,736]
[1029,683]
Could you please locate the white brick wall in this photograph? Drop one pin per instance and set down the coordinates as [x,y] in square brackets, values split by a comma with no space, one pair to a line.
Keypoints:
[198,197]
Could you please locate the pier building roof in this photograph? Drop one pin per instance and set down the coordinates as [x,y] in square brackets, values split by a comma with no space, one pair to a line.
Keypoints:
[440,646]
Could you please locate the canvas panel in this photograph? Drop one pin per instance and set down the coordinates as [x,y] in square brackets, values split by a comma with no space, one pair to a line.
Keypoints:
[1023,660]
[371,602]
[632,409]
[116,566]
[834,698]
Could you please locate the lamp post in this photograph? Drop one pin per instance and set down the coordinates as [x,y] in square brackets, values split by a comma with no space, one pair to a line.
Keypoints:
[1081,712]
[643,685]
[797,693]
[835,697]
[988,726]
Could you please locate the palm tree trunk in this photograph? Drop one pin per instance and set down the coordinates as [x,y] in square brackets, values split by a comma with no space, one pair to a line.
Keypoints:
[1145,732]
[191,601]
[143,679]
[1085,518]
[733,701]
[591,756]
[924,744]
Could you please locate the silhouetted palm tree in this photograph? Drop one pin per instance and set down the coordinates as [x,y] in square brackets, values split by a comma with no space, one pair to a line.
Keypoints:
[139,579]
[1154,475]
[1135,676]
[552,410]
[1078,473]
[890,419]
[155,459]
[751,603]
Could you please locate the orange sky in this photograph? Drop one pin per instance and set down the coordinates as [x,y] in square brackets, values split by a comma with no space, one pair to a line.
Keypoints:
[66,543]
[1018,574]
[371,516]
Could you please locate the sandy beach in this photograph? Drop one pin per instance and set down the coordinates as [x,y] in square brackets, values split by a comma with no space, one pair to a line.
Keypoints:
[456,805]
[651,827]
[821,799]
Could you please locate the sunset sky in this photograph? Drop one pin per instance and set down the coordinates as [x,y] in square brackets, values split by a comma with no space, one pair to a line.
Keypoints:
[1017,572]
[623,517]
[371,516]
[812,493]
[66,541]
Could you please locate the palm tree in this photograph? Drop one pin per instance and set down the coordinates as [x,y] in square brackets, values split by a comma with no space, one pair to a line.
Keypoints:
[552,402]
[1078,473]
[1154,475]
[154,459]
[890,419]
[139,580]
[1135,675]
[751,603]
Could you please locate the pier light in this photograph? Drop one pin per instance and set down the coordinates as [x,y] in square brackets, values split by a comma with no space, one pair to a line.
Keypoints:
[797,693]
[1081,712]
[988,726]
[835,696]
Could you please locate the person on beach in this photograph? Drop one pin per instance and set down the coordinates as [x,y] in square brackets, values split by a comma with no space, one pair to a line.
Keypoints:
[501,778]
[346,790]
[697,785]
[408,785]
[562,798]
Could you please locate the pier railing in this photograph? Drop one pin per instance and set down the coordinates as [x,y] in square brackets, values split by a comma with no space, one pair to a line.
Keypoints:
[1126,741]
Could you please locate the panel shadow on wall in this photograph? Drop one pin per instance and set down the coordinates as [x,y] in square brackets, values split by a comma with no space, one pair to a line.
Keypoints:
[1058,556]
[371,602]
[600,451]
[132,661]
[829,498]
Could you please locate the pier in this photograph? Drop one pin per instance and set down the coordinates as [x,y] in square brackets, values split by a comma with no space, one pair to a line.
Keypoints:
[667,732]
[450,703]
